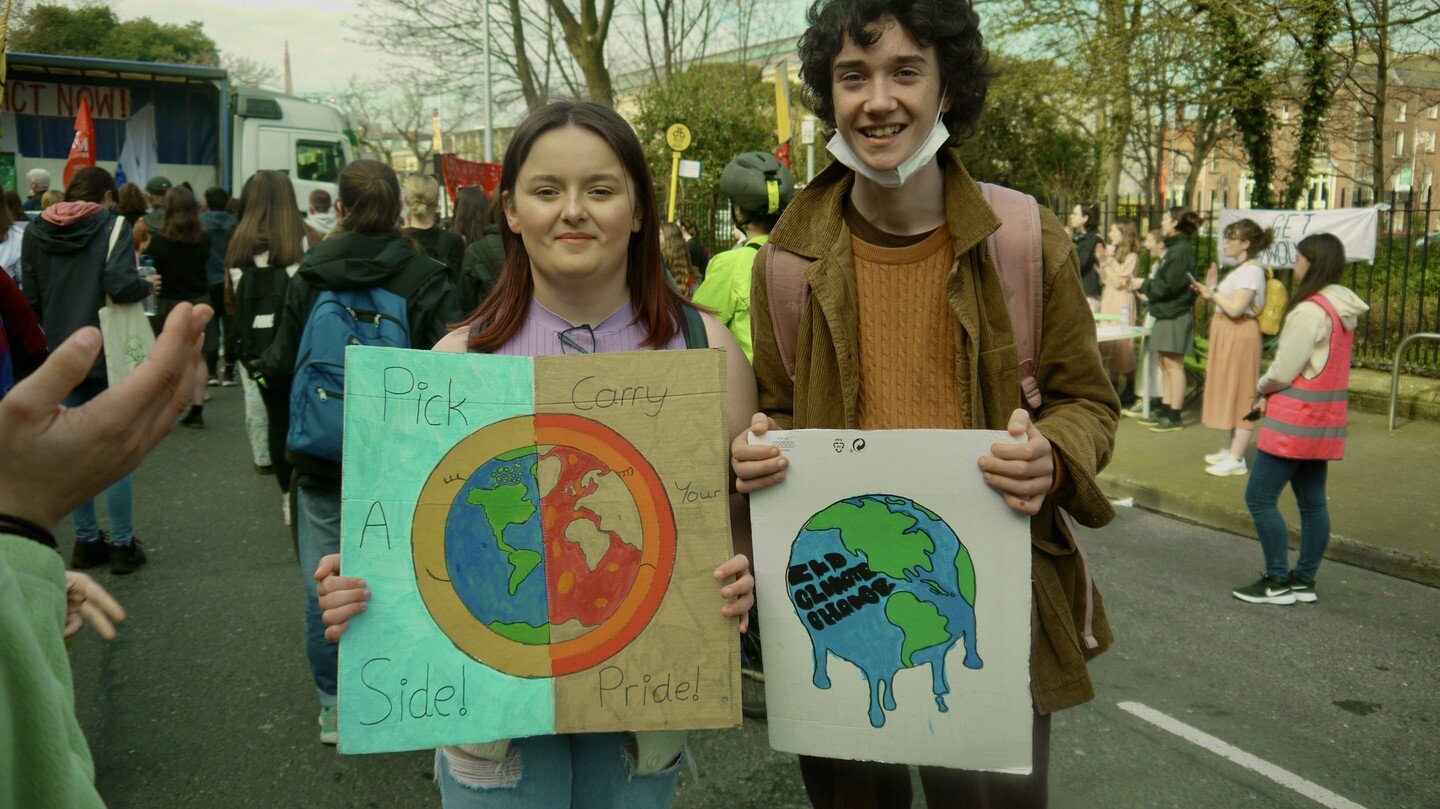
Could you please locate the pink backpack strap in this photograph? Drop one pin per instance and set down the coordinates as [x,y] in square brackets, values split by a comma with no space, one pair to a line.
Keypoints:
[1016,250]
[787,289]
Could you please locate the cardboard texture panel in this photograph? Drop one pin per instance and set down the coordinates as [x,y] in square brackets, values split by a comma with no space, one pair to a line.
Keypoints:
[894,593]
[539,535]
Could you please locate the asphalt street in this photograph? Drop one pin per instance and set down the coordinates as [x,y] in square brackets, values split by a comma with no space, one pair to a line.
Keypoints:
[205,699]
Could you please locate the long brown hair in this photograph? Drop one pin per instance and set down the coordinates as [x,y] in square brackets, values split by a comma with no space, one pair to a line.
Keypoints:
[1129,243]
[658,305]
[676,254]
[270,220]
[182,217]
[470,213]
[131,201]
[1326,254]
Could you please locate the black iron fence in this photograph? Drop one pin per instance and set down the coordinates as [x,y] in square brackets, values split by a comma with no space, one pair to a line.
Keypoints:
[1402,284]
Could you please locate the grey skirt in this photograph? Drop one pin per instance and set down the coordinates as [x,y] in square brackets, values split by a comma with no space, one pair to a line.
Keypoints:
[1173,336]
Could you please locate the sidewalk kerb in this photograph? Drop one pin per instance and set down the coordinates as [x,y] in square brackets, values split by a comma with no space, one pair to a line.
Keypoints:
[1342,548]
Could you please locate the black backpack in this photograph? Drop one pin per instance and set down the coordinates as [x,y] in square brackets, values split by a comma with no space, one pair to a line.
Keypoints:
[259,296]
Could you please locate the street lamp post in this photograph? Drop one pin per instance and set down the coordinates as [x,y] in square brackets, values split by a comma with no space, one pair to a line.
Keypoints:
[489,142]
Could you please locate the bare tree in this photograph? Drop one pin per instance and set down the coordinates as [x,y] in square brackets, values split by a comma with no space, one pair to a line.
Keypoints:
[1378,33]
[247,72]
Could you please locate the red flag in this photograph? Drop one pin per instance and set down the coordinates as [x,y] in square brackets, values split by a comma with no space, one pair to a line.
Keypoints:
[82,149]
[459,173]
[782,153]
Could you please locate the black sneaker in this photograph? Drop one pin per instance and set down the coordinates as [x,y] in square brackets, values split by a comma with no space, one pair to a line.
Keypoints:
[194,419]
[1168,423]
[90,554]
[213,381]
[227,377]
[1303,592]
[1265,591]
[1156,413]
[126,558]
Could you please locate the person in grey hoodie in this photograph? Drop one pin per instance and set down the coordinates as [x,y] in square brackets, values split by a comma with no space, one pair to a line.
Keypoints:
[322,215]
[219,224]
[71,258]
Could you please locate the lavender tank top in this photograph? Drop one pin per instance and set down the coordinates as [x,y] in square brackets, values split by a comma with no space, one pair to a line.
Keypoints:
[539,336]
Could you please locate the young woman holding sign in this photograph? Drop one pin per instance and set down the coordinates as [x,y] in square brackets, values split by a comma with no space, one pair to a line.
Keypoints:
[581,247]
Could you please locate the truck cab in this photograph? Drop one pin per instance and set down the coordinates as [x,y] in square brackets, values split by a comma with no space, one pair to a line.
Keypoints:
[305,140]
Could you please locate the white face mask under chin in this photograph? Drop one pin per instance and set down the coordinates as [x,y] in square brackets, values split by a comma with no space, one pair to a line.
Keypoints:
[901,174]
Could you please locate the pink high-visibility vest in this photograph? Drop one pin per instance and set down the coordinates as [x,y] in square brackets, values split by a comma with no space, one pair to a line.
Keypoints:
[1307,420]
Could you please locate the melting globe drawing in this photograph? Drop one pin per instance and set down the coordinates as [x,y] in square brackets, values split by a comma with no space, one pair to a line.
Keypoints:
[543,544]
[883,583]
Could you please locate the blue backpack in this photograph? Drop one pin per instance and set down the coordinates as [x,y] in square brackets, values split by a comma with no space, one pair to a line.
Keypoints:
[339,319]
[7,366]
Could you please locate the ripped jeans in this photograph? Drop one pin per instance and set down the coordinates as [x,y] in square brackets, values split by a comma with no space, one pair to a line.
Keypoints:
[578,770]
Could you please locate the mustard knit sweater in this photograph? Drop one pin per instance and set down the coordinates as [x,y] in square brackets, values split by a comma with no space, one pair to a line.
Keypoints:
[907,335]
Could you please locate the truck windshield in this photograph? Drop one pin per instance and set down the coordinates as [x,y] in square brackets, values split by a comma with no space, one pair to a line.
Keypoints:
[318,161]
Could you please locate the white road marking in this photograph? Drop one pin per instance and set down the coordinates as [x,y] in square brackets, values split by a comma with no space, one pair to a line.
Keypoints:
[1282,777]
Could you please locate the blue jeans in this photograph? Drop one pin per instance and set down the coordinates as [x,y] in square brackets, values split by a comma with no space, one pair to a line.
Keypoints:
[1307,478]
[578,770]
[319,524]
[119,498]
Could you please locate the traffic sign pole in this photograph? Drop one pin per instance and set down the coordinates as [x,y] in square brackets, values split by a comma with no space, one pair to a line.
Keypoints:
[678,138]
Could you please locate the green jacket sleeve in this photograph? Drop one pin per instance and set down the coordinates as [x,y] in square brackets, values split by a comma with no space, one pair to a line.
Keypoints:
[44,760]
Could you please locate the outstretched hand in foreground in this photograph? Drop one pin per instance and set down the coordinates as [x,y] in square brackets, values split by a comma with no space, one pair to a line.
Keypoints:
[57,457]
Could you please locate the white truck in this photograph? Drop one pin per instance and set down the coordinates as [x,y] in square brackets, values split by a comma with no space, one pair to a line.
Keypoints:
[207,132]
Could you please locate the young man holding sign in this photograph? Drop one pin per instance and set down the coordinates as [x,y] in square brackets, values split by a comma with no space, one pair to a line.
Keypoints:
[904,324]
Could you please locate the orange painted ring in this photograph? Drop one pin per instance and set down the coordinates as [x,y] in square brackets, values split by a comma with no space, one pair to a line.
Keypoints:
[657,560]
[657,552]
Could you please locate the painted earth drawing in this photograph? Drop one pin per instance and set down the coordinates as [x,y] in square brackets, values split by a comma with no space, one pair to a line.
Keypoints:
[883,583]
[553,554]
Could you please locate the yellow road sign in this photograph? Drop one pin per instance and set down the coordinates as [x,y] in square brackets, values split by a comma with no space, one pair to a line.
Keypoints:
[678,137]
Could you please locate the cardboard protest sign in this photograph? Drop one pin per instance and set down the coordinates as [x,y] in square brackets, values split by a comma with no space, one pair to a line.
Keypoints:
[540,537]
[894,593]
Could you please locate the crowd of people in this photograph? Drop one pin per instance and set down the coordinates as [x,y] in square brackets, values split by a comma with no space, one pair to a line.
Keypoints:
[569,256]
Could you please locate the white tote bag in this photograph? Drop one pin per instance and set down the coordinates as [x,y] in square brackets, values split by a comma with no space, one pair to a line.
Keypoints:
[126,329]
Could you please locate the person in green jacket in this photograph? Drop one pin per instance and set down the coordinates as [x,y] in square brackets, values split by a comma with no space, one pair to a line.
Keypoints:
[1172,301]
[759,187]
[56,458]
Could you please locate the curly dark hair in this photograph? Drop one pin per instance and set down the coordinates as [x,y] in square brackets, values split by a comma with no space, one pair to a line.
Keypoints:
[952,26]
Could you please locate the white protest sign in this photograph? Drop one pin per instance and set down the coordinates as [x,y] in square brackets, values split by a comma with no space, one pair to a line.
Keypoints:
[1355,227]
[894,593]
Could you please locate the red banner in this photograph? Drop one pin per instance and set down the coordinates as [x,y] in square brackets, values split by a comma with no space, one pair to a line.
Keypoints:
[82,149]
[461,173]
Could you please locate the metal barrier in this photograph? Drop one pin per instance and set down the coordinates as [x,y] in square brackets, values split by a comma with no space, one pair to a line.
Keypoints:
[1395,369]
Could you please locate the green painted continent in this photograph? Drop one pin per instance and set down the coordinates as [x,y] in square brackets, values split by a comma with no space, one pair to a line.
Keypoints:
[506,505]
[921,623]
[965,572]
[879,533]
[522,633]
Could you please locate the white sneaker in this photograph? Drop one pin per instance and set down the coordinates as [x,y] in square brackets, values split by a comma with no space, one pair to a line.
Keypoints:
[1227,467]
[330,725]
[1216,457]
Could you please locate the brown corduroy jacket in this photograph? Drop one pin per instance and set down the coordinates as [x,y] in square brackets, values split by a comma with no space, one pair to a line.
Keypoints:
[1078,415]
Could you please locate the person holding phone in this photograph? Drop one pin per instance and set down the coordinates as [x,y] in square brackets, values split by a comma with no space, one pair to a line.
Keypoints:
[1171,298]
[1235,343]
